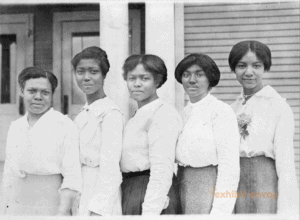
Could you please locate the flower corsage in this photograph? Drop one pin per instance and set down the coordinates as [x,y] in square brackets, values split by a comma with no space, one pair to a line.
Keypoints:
[243,122]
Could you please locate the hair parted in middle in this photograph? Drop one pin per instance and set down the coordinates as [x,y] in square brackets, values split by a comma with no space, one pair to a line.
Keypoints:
[208,65]
[95,53]
[239,50]
[151,63]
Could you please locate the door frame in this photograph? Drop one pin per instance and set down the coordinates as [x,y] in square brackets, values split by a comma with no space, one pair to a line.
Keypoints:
[25,20]
[28,20]
[58,19]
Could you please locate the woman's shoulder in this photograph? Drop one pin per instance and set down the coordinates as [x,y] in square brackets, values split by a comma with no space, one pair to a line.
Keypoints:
[18,123]
[62,120]
[166,109]
[273,99]
[166,114]
[105,106]
[220,106]
[111,103]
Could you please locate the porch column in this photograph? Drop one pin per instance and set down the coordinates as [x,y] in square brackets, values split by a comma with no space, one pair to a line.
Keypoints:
[160,41]
[114,40]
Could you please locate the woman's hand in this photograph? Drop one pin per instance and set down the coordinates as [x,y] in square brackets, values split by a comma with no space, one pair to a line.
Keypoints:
[67,198]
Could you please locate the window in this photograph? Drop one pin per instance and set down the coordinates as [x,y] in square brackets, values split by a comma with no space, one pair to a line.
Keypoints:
[7,68]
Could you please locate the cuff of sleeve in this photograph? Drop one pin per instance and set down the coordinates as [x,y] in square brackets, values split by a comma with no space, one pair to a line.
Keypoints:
[157,208]
[71,185]
[94,207]
[71,188]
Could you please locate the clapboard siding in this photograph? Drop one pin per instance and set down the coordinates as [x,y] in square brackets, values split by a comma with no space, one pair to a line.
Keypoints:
[224,49]
[244,28]
[212,8]
[238,14]
[214,28]
[230,35]
[230,41]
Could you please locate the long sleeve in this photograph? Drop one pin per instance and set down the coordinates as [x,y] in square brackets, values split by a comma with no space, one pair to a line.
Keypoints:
[288,192]
[226,137]
[9,160]
[107,188]
[71,168]
[162,137]
[8,176]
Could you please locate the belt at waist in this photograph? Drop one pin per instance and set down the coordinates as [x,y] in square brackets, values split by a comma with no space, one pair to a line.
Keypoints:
[134,174]
[188,166]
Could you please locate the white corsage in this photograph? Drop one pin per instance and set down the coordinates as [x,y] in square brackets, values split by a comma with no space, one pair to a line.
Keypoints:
[243,122]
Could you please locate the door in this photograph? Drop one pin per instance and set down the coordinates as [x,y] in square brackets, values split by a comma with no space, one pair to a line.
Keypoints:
[15,54]
[77,36]
[72,33]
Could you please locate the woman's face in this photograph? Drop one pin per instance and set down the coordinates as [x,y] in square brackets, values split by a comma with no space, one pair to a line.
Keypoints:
[37,94]
[249,71]
[141,85]
[89,76]
[195,83]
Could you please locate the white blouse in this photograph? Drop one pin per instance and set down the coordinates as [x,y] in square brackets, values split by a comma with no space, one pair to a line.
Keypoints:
[101,128]
[271,132]
[210,137]
[149,142]
[49,147]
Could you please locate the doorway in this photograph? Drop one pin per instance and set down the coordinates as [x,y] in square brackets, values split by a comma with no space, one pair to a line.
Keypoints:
[72,33]
[16,53]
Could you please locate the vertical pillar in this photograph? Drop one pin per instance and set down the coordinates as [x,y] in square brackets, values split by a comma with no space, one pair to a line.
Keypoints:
[160,41]
[114,40]
[179,53]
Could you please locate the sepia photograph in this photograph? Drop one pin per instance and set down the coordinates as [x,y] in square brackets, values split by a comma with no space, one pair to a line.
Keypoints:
[172,109]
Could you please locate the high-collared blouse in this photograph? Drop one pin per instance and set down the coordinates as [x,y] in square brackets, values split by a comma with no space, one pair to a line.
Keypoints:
[210,137]
[101,128]
[50,146]
[271,132]
[149,142]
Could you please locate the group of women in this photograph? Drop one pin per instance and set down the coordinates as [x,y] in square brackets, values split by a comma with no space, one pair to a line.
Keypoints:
[100,166]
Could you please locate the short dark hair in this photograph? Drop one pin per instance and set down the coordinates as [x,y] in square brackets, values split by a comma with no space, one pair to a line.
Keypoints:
[93,53]
[208,65]
[151,63]
[261,50]
[35,73]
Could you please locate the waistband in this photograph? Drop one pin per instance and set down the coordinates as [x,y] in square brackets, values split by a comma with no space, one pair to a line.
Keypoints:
[188,166]
[134,174]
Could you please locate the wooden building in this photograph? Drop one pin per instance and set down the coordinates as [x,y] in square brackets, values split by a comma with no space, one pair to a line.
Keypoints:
[49,35]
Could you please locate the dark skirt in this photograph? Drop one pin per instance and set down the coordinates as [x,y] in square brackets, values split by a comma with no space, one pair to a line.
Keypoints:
[133,193]
[258,186]
[197,188]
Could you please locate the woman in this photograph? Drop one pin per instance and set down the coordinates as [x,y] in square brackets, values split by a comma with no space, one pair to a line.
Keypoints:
[150,136]
[207,150]
[266,144]
[42,169]
[100,125]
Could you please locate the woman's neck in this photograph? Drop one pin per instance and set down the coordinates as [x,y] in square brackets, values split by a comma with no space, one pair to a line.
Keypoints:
[198,98]
[147,101]
[252,91]
[33,118]
[95,96]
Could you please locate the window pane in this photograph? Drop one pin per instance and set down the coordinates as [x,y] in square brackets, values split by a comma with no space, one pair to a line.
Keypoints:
[7,68]
[81,41]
